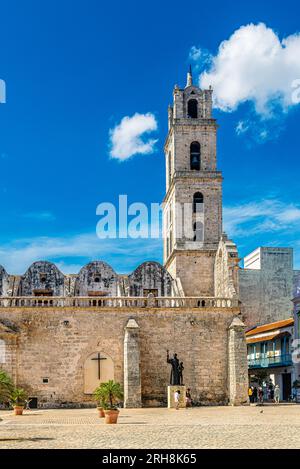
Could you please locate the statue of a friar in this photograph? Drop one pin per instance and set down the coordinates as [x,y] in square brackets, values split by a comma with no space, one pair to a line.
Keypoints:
[175,370]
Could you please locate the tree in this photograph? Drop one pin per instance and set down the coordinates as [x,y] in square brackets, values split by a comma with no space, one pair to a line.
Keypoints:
[6,386]
[260,376]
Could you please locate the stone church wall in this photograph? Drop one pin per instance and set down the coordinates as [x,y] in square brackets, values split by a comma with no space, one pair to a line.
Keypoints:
[54,345]
[195,269]
[4,281]
[150,276]
[42,276]
[227,269]
[97,278]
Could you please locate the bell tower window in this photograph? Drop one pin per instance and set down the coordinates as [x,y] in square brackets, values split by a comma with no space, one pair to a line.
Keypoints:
[192,109]
[195,156]
[198,201]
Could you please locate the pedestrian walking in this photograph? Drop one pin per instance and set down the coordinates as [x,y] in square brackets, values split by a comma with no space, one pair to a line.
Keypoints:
[176,399]
[260,395]
[250,394]
[277,394]
[188,398]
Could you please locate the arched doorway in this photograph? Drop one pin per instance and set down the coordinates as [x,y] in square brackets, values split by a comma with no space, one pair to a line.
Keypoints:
[98,368]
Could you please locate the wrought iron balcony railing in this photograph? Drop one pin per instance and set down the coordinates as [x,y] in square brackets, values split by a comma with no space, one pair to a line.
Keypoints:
[268,362]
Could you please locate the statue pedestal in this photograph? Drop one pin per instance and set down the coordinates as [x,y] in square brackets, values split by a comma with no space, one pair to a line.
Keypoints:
[171,390]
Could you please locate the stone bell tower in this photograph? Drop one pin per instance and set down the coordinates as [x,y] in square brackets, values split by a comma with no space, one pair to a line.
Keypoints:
[193,201]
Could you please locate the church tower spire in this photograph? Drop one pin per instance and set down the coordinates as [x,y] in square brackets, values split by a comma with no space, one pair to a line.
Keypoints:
[193,201]
[189,78]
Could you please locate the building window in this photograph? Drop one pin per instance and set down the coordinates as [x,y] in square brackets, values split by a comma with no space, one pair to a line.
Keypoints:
[45,380]
[195,156]
[198,201]
[193,108]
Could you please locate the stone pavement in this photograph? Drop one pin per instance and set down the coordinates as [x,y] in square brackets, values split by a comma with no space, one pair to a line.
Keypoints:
[202,427]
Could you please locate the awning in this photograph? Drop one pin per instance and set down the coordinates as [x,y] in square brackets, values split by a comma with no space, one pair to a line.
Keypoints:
[271,326]
[266,338]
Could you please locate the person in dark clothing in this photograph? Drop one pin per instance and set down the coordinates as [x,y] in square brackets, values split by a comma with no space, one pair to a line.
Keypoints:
[188,398]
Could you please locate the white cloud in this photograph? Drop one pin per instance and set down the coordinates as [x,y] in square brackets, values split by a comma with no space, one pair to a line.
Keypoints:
[128,137]
[242,127]
[265,216]
[255,65]
[47,216]
[195,53]
[71,252]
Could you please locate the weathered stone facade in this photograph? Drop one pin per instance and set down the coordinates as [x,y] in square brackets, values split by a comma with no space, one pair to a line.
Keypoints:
[4,281]
[132,365]
[63,334]
[237,368]
[267,285]
[150,277]
[191,159]
[54,343]
[42,278]
[97,278]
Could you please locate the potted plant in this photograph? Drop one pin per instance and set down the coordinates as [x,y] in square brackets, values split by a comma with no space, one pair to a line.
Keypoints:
[110,394]
[18,399]
[98,397]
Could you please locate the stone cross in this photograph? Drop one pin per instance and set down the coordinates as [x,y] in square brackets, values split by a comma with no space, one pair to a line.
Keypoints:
[99,358]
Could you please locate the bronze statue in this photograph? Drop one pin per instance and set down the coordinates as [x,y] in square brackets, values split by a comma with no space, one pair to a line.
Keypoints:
[181,368]
[175,371]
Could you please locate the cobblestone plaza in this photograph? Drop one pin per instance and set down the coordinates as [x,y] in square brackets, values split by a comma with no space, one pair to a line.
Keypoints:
[202,427]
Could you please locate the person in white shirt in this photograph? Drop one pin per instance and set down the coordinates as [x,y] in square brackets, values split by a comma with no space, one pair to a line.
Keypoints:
[176,399]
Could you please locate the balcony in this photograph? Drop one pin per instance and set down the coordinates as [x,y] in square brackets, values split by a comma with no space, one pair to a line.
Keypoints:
[117,302]
[270,362]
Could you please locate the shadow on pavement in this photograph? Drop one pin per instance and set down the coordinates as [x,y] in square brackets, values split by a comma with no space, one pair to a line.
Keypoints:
[25,439]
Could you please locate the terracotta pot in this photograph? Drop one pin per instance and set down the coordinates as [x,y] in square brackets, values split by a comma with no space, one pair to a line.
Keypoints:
[18,409]
[111,416]
[101,412]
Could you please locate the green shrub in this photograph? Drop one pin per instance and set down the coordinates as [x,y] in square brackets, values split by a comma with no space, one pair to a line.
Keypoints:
[6,386]
[108,395]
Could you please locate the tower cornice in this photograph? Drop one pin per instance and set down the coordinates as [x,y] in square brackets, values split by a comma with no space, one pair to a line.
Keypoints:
[180,123]
[195,176]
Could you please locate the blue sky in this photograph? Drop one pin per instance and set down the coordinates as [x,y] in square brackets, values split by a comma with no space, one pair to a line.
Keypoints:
[74,70]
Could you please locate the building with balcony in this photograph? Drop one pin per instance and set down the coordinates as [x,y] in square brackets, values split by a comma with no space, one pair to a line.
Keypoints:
[296,344]
[269,348]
